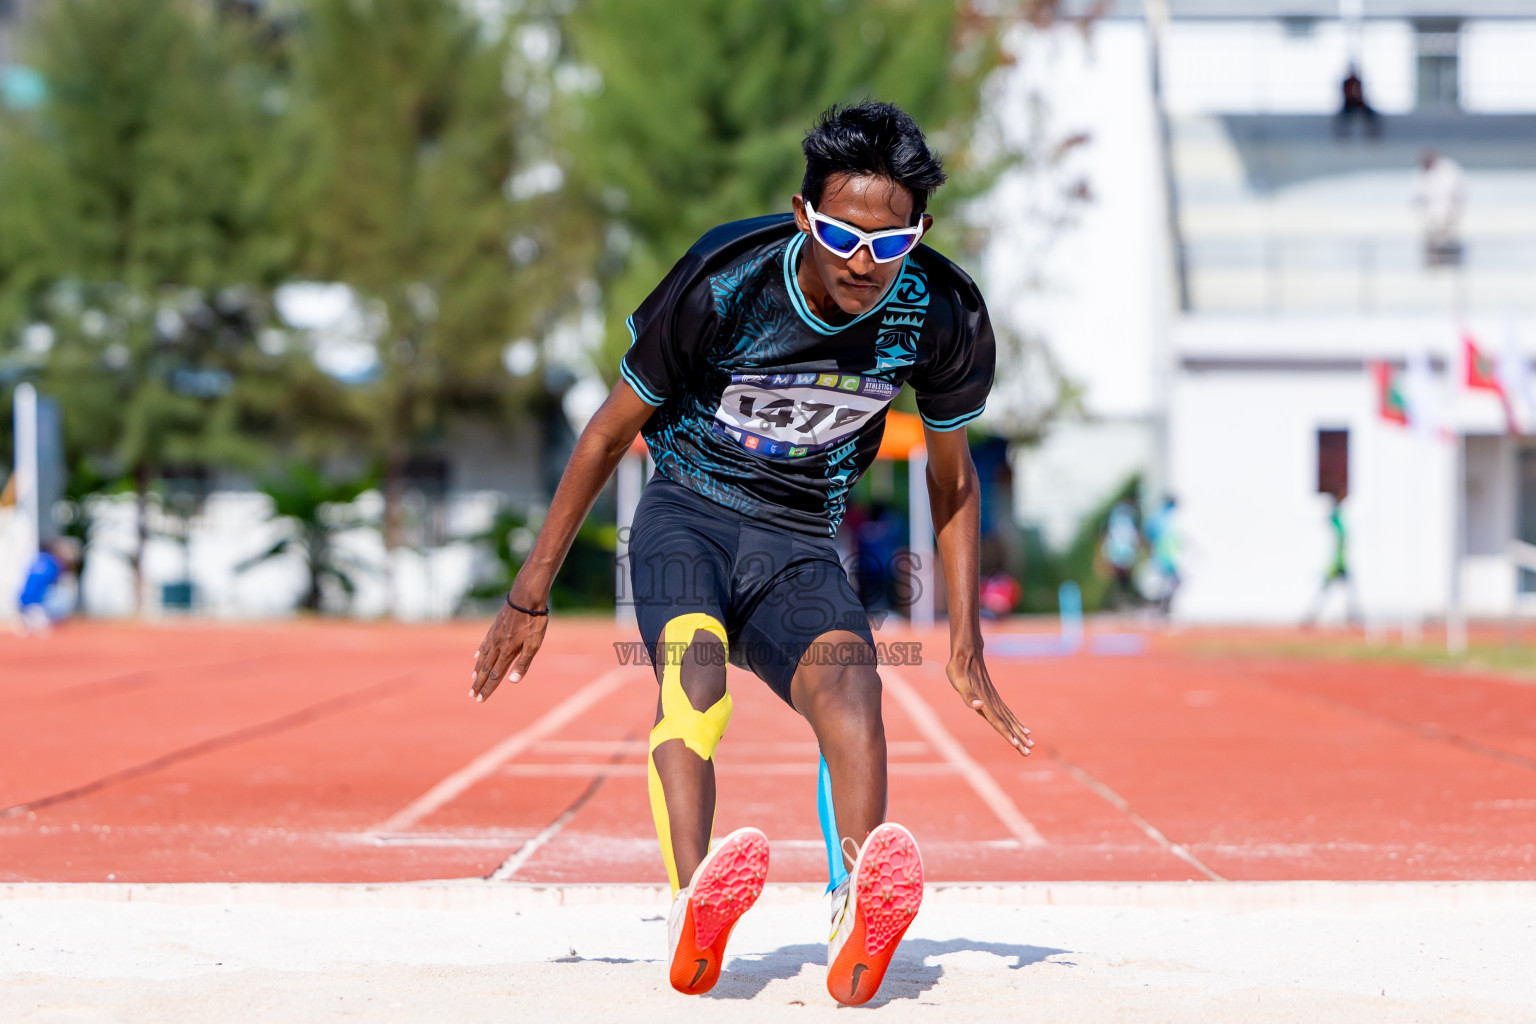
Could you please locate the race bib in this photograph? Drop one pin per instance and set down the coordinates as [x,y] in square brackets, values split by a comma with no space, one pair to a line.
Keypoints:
[789,415]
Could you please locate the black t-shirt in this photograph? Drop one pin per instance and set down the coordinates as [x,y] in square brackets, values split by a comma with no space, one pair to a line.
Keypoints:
[765,409]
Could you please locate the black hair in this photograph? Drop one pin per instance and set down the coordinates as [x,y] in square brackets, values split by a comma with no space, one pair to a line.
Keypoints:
[871,138]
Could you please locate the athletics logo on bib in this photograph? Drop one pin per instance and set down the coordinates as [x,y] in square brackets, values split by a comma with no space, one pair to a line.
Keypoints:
[787,415]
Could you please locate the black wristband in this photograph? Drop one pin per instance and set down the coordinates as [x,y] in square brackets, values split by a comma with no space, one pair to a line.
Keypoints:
[525,611]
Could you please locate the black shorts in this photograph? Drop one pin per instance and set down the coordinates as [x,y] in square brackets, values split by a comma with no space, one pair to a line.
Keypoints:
[774,590]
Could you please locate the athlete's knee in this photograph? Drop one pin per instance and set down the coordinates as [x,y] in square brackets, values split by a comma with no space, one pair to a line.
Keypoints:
[702,671]
[847,693]
[695,707]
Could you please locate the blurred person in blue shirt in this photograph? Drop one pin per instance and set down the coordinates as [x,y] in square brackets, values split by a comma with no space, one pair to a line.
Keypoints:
[45,597]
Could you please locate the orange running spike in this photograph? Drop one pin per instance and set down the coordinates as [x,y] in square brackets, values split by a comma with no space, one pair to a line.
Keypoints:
[728,881]
[884,894]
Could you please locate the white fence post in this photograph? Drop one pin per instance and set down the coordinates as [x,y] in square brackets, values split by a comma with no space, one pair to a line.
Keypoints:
[630,482]
[920,543]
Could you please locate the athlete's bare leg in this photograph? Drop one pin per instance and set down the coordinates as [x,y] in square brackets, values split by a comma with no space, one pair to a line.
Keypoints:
[688,779]
[842,703]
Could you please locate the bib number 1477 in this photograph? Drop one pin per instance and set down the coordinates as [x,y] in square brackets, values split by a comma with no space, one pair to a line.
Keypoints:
[803,417]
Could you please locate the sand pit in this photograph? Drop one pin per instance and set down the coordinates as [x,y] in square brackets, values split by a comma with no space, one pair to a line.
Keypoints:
[475,951]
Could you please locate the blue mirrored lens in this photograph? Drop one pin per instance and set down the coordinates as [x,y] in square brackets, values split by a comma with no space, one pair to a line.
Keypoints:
[891,246]
[839,241]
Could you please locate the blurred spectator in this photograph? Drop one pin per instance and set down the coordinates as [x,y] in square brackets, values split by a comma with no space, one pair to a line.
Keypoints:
[1121,546]
[1000,595]
[47,595]
[1355,107]
[1162,536]
[1439,193]
[1338,569]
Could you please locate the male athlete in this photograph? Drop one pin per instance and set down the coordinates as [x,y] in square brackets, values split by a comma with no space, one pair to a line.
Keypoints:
[760,373]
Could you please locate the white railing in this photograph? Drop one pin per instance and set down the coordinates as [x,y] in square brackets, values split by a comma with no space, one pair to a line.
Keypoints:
[1356,275]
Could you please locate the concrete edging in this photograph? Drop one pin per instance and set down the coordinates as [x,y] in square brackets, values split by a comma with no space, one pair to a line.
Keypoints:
[477,894]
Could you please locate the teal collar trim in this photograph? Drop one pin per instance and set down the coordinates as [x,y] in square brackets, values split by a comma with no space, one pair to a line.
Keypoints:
[797,298]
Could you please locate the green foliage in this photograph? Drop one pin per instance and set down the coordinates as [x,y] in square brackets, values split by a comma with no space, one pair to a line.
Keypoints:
[409,140]
[141,168]
[585,580]
[137,230]
[508,539]
[703,105]
[315,509]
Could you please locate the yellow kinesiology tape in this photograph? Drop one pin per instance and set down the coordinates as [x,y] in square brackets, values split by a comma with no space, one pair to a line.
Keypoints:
[700,731]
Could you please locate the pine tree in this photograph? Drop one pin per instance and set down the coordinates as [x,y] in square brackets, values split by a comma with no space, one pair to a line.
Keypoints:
[410,141]
[138,232]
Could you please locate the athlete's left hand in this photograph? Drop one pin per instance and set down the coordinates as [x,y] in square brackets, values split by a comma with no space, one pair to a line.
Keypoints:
[968,675]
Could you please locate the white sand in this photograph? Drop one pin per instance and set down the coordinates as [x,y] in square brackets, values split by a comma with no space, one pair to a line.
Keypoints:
[471,951]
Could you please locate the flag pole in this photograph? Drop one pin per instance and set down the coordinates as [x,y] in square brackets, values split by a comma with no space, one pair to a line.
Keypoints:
[1456,621]
[630,482]
[922,603]
[1455,616]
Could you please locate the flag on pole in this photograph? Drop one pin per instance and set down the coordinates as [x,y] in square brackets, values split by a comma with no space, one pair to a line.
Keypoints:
[1390,403]
[1483,375]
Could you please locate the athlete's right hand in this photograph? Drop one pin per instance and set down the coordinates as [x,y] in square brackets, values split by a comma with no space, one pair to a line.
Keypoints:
[508,648]
[515,637]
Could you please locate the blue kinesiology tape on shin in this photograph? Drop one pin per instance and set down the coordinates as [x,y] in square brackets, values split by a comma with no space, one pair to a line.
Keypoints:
[836,870]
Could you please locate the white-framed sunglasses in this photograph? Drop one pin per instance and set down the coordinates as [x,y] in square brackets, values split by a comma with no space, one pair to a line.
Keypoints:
[844,239]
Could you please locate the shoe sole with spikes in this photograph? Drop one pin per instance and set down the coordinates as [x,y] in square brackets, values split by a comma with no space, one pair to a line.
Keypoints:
[886,891]
[726,885]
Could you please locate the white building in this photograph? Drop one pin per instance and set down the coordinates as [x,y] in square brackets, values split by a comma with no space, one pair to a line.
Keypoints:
[1098,289]
[1289,259]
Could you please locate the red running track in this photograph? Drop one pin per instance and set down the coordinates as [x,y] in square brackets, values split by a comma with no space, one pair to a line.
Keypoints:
[350,753]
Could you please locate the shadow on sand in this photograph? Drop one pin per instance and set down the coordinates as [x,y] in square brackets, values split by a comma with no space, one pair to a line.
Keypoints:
[909,975]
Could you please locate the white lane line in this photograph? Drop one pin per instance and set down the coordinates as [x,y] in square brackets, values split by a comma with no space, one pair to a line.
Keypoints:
[573,769]
[980,780]
[445,839]
[1152,832]
[552,721]
[635,748]
[514,863]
